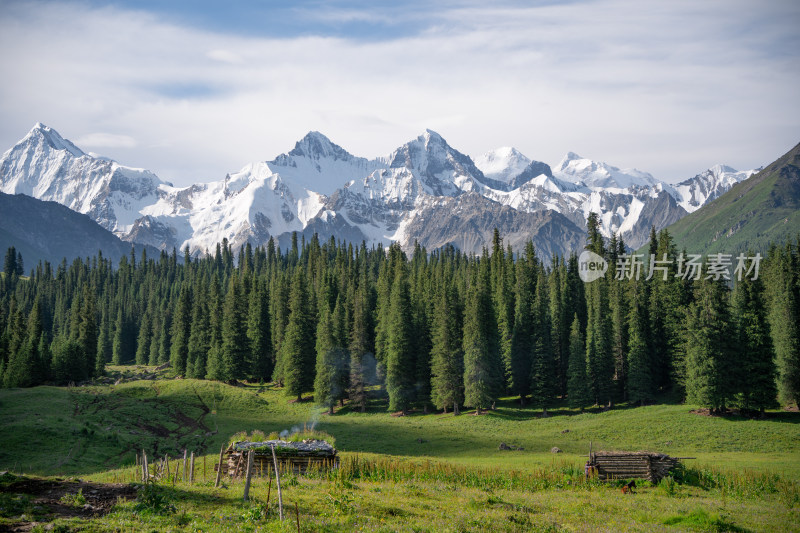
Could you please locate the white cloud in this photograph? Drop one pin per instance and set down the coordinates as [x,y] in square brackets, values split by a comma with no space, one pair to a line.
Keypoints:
[671,91]
[105,140]
[225,56]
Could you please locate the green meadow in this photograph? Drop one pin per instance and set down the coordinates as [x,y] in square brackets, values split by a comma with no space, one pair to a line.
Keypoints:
[422,472]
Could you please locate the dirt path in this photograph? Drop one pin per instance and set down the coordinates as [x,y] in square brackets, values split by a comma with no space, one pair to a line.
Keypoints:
[44,496]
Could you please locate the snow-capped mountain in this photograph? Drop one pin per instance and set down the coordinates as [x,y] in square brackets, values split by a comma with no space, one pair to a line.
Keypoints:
[424,191]
[48,167]
[598,175]
[502,164]
[709,185]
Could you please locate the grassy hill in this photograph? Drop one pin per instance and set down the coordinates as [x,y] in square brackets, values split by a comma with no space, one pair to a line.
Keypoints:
[423,472]
[762,209]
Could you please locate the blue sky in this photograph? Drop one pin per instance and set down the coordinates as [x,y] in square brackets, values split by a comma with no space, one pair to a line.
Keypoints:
[195,89]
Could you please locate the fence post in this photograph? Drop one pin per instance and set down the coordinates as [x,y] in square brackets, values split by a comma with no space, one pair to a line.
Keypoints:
[183,474]
[277,481]
[249,473]
[219,468]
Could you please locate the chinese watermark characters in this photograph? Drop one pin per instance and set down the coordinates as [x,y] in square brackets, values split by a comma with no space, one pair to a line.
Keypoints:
[688,267]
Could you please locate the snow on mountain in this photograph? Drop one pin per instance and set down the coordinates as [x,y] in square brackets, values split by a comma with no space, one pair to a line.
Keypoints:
[599,175]
[320,187]
[317,164]
[48,167]
[706,186]
[502,164]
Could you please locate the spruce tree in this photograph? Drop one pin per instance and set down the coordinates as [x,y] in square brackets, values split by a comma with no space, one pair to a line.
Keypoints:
[234,346]
[360,351]
[87,332]
[640,381]
[599,356]
[143,339]
[118,347]
[578,393]
[331,363]
[783,283]
[755,370]
[522,337]
[181,328]
[400,363]
[543,361]
[483,373]
[199,337]
[298,353]
[258,333]
[709,346]
[447,361]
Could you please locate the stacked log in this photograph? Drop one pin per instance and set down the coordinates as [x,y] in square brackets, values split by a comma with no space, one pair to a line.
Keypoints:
[625,465]
[295,457]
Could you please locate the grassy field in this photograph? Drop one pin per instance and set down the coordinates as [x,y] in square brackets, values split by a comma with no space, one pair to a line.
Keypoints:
[424,472]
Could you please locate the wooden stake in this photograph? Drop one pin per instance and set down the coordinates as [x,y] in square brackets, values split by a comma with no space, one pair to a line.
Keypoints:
[277,482]
[249,473]
[191,470]
[183,473]
[204,469]
[166,470]
[145,472]
[269,489]
[297,514]
[219,467]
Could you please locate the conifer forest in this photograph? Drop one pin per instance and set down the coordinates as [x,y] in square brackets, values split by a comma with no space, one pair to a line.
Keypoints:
[437,329]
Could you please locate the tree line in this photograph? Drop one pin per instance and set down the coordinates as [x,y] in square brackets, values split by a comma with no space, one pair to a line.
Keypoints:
[442,330]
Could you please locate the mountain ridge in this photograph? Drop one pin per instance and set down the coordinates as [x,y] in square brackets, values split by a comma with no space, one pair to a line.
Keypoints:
[318,184]
[763,209]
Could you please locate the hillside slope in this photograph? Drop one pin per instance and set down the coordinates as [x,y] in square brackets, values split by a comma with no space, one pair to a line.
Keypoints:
[761,209]
[49,231]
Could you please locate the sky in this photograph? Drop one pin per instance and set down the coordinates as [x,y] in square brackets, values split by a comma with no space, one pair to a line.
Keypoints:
[195,89]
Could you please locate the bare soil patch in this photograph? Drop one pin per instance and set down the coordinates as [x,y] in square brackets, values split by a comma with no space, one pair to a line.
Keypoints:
[46,498]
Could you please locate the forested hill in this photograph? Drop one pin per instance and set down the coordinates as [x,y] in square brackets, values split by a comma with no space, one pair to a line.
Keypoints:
[49,231]
[761,209]
[443,329]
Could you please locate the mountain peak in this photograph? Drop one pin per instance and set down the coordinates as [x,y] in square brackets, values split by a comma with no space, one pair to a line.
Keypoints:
[722,169]
[52,138]
[502,164]
[315,145]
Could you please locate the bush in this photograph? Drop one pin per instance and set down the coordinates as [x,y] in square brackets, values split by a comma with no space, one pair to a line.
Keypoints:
[152,499]
[74,500]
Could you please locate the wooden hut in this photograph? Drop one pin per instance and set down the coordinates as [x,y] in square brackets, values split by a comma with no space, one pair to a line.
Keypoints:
[625,465]
[292,456]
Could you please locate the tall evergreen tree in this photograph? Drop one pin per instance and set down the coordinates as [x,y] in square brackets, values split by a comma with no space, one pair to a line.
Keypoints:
[709,346]
[400,363]
[234,347]
[360,345]
[755,370]
[640,382]
[199,337]
[298,353]
[483,373]
[258,333]
[543,361]
[578,393]
[447,365]
[331,363]
[599,356]
[522,337]
[181,328]
[784,318]
[87,332]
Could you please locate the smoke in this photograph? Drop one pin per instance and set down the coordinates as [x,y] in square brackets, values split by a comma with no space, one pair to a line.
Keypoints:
[306,426]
